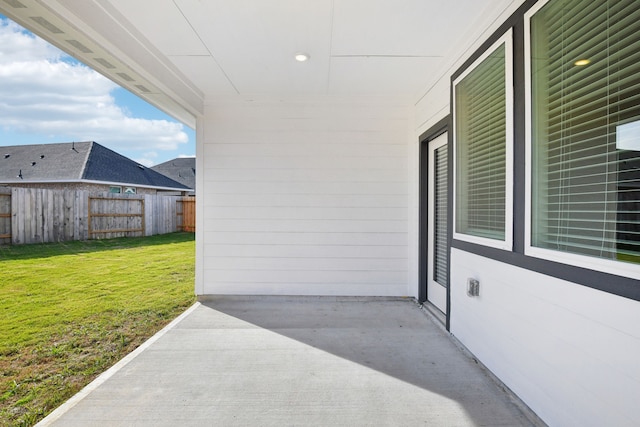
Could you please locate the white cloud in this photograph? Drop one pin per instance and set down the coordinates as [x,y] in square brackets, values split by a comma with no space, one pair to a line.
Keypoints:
[44,92]
[148,159]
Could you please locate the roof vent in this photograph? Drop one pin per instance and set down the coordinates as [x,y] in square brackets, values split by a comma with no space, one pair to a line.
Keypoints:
[126,77]
[82,48]
[20,174]
[15,3]
[141,167]
[6,156]
[143,88]
[46,24]
[42,156]
[104,63]
[33,163]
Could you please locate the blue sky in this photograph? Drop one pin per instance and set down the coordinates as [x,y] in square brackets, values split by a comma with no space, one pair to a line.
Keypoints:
[47,96]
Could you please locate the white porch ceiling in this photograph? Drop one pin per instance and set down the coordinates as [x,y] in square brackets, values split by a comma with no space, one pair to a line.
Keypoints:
[180,54]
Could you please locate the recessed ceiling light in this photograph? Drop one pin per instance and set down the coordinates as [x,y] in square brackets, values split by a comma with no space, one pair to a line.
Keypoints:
[302,57]
[581,62]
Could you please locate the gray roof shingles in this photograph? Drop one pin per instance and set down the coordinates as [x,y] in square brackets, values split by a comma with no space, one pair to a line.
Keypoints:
[72,161]
[179,169]
[53,162]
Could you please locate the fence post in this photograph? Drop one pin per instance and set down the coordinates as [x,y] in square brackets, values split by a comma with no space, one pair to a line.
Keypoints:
[5,216]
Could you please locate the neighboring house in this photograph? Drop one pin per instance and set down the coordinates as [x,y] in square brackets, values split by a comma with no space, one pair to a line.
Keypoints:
[81,165]
[472,154]
[181,169]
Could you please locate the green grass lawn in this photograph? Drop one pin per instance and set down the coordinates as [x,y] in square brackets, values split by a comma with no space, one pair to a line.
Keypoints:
[69,311]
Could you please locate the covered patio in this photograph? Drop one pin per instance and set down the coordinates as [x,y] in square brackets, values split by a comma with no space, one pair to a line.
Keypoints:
[275,361]
[335,159]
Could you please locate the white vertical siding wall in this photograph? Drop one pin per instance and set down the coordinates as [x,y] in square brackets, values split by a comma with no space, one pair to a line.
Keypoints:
[304,198]
[570,352]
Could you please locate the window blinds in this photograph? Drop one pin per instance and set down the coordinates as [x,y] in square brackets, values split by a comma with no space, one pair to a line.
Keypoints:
[586,188]
[440,255]
[480,116]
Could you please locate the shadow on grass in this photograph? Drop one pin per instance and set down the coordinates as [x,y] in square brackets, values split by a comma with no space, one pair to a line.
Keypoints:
[46,250]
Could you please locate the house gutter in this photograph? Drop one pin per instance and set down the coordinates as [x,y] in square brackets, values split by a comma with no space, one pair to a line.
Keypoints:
[88,181]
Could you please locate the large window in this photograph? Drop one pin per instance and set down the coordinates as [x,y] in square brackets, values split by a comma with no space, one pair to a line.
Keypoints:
[483,145]
[584,133]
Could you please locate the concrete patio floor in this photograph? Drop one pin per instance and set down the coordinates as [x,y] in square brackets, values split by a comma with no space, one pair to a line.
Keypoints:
[295,361]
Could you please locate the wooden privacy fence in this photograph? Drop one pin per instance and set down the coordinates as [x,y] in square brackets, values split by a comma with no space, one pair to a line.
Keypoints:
[115,217]
[5,216]
[36,215]
[187,214]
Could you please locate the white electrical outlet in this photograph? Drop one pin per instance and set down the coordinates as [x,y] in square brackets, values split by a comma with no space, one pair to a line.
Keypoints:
[473,287]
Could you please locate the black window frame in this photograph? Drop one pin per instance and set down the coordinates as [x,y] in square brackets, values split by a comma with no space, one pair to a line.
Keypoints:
[622,286]
[506,242]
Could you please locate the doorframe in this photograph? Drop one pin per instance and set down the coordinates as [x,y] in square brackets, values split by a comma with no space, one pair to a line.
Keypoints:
[432,133]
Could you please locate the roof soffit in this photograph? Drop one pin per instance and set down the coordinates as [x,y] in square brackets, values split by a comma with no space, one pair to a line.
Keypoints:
[191,51]
[157,82]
